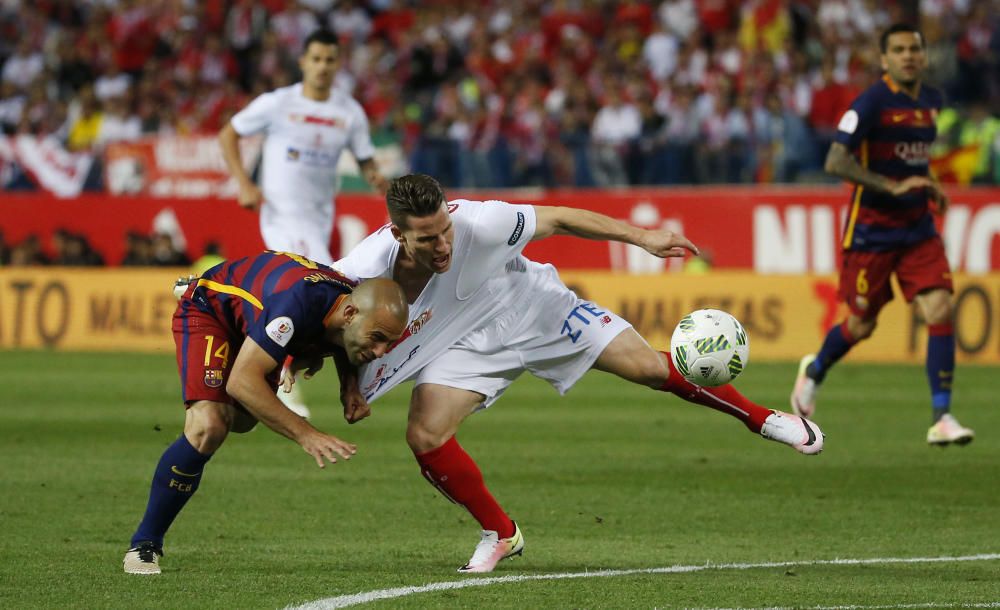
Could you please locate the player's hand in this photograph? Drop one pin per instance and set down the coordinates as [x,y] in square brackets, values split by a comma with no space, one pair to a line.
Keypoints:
[666,244]
[250,196]
[938,197]
[310,365]
[379,182]
[911,183]
[327,447]
[356,407]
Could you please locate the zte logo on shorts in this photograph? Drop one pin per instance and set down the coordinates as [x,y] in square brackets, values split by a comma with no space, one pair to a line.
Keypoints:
[516,235]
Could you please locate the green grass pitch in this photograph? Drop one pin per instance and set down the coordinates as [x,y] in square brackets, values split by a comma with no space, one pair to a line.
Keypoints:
[611,476]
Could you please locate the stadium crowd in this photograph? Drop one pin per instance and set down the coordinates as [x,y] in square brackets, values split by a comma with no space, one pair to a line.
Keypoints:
[513,93]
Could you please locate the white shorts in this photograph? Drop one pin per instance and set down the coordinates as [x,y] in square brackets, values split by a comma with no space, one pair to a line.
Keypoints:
[557,338]
[304,234]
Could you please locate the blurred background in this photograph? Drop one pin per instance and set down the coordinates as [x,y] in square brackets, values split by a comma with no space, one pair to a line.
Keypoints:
[506,94]
[711,117]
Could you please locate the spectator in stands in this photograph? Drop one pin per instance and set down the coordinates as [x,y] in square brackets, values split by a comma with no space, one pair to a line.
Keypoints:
[12,104]
[615,127]
[119,124]
[211,256]
[85,121]
[165,254]
[24,66]
[73,250]
[112,83]
[4,250]
[246,23]
[28,253]
[294,24]
[138,250]
[178,64]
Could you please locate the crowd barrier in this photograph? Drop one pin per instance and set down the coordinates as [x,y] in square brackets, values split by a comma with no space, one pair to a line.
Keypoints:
[786,316]
[792,230]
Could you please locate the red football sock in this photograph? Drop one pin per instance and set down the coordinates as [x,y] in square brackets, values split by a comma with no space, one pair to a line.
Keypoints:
[723,398]
[452,471]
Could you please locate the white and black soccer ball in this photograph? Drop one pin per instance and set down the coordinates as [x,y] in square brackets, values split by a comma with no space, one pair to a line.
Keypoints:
[710,347]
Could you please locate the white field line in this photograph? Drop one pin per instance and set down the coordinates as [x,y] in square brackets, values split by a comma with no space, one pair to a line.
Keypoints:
[344,601]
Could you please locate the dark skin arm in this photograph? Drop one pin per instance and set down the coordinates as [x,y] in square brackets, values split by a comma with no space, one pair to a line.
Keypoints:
[841,163]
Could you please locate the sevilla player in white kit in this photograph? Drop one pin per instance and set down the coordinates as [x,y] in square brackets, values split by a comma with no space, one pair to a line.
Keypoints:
[482,314]
[306,126]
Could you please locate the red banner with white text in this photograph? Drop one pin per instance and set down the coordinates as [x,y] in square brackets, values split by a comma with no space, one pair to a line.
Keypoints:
[766,229]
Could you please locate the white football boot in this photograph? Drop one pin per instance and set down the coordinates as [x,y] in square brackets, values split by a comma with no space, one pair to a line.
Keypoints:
[804,394]
[491,549]
[947,430]
[795,431]
[143,558]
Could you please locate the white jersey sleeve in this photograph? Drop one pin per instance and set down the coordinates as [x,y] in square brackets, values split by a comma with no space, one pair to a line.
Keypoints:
[257,116]
[371,258]
[360,139]
[500,230]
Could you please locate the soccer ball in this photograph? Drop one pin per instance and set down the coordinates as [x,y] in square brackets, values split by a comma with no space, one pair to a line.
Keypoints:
[709,347]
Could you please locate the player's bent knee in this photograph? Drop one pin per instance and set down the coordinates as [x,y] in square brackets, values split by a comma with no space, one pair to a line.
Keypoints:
[861,329]
[207,424]
[421,439]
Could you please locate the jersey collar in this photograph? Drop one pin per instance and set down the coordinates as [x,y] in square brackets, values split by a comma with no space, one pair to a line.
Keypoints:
[895,88]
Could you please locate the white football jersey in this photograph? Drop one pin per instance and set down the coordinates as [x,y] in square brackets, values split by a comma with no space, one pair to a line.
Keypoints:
[304,140]
[488,277]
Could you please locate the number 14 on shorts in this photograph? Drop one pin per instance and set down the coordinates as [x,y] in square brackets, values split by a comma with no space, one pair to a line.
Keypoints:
[581,317]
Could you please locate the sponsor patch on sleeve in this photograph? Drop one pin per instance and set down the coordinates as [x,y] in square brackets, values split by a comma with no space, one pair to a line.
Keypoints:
[516,235]
[280,330]
[848,122]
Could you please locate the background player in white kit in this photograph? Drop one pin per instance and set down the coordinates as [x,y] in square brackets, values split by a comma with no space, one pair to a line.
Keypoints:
[306,127]
[481,314]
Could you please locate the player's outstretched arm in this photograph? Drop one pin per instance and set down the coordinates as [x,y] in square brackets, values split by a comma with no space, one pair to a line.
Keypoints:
[555,220]
[841,163]
[248,384]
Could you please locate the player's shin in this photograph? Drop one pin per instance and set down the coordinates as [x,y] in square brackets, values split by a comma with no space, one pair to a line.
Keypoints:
[453,472]
[837,343]
[722,398]
[940,366]
[174,482]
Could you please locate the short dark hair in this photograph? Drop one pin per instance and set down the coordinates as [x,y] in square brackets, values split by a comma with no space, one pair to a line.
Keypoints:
[883,41]
[416,195]
[322,36]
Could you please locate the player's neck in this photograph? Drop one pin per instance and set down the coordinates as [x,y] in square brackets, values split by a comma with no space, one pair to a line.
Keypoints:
[912,89]
[317,95]
[412,277]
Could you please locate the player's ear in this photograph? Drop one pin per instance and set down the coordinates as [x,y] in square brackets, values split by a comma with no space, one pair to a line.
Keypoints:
[350,311]
[885,64]
[396,233]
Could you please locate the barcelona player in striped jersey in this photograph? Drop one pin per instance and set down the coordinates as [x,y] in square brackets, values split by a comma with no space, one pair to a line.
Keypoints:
[233,327]
[882,146]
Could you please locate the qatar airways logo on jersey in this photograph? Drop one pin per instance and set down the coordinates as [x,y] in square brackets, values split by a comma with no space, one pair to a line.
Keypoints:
[310,119]
[913,153]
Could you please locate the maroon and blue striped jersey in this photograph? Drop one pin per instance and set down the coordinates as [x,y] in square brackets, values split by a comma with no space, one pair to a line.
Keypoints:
[891,134]
[280,300]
